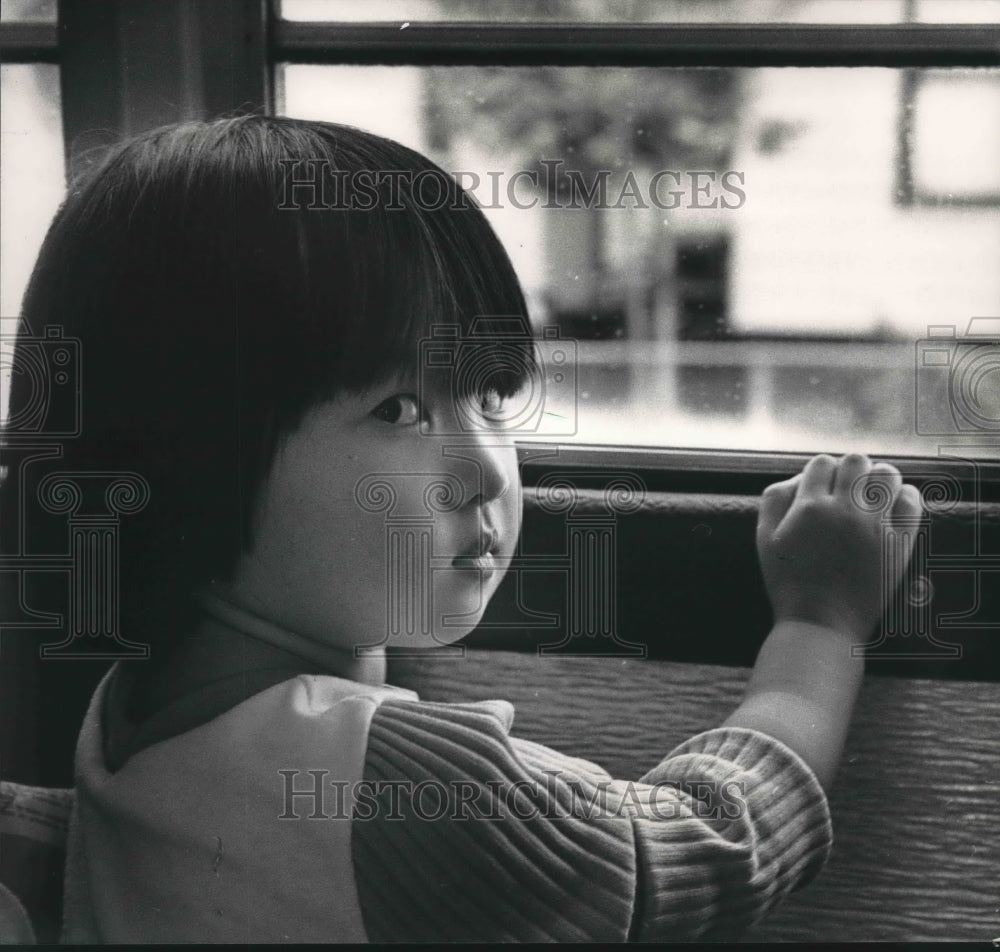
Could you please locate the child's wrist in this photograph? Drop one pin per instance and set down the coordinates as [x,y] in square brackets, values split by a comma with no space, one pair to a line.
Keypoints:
[811,662]
[833,624]
[803,655]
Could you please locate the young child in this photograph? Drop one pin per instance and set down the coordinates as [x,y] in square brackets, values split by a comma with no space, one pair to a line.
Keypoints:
[251,349]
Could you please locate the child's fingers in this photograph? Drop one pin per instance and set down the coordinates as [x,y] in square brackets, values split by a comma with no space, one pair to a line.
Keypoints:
[818,476]
[908,505]
[775,502]
[890,477]
[852,468]
[875,491]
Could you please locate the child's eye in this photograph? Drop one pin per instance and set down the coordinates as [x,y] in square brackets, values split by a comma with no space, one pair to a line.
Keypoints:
[491,404]
[401,409]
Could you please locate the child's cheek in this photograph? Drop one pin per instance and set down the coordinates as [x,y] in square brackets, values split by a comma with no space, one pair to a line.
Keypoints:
[518,491]
[516,507]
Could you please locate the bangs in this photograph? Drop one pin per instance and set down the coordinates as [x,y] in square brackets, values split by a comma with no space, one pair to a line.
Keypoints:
[377,290]
[294,302]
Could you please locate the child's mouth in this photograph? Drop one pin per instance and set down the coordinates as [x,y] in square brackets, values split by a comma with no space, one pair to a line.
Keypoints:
[485,563]
[480,555]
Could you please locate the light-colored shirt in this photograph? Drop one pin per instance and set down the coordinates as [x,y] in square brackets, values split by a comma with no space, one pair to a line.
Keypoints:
[433,824]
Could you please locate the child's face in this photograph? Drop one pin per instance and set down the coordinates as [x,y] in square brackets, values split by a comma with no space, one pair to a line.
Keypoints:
[337,560]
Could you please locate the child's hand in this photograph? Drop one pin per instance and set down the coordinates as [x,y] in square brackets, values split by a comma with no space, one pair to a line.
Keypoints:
[821,552]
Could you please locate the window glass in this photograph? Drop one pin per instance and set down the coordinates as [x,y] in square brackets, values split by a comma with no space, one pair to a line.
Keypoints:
[954,148]
[745,258]
[962,11]
[31,187]
[648,11]
[28,11]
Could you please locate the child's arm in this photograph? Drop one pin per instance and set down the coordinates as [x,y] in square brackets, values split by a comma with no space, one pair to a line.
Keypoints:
[706,843]
[821,558]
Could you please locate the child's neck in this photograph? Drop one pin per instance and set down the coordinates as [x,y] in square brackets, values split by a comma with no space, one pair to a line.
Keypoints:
[262,638]
[230,641]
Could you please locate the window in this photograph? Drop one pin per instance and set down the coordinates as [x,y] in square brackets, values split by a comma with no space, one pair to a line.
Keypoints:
[757,237]
[31,156]
[747,257]
[645,11]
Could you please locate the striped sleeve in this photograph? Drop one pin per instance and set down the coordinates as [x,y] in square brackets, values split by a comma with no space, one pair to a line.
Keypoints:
[467,834]
[749,825]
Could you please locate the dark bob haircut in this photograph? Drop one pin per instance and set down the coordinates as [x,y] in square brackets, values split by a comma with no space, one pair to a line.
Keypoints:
[213,308]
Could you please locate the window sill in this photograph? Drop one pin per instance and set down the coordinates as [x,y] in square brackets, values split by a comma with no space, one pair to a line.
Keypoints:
[734,471]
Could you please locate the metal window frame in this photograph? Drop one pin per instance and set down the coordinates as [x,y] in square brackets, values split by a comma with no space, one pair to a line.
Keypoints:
[740,472]
[29,43]
[573,44]
[130,65]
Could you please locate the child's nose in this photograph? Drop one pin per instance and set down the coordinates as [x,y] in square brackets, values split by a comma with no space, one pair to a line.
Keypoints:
[486,472]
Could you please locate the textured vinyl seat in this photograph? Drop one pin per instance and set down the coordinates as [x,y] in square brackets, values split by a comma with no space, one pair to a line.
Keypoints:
[33,826]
